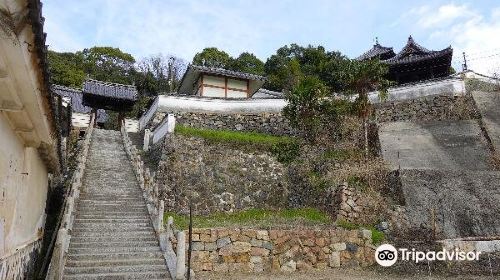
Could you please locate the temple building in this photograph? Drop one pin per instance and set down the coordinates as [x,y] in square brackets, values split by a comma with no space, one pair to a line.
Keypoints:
[80,114]
[413,63]
[220,83]
[109,96]
[97,96]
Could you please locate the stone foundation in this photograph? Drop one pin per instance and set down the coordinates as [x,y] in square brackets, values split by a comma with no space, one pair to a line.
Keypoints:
[218,178]
[348,202]
[21,264]
[430,108]
[270,123]
[223,250]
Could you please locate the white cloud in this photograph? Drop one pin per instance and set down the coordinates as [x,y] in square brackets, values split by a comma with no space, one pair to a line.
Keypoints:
[468,31]
[146,27]
[443,16]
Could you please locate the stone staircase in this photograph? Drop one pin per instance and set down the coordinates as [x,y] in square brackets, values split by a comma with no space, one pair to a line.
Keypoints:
[112,235]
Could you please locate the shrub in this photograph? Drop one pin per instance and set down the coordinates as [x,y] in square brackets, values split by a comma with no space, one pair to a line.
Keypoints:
[286,152]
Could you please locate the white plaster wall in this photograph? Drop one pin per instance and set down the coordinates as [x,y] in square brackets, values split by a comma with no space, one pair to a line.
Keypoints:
[131,125]
[213,92]
[169,104]
[238,84]
[214,80]
[451,87]
[23,190]
[146,117]
[80,120]
[236,94]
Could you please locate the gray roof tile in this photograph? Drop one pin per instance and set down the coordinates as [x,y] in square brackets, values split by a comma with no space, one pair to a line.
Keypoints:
[113,90]
[76,97]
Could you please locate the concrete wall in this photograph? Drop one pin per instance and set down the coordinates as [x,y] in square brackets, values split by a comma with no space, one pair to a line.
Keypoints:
[23,191]
[465,203]
[439,145]
[488,104]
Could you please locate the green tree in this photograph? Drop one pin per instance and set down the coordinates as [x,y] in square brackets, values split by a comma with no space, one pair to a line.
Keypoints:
[248,63]
[311,61]
[108,64]
[66,68]
[212,57]
[306,103]
[361,77]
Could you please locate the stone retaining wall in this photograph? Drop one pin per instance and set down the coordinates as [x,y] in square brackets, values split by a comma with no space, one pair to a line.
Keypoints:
[250,250]
[218,178]
[21,264]
[430,108]
[270,123]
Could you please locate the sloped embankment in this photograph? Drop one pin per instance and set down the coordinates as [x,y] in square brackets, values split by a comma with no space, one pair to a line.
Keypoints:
[446,174]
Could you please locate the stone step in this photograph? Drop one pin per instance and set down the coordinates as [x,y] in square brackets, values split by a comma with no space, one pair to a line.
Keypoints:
[111,228]
[122,196]
[116,209]
[115,256]
[97,213]
[120,276]
[114,234]
[119,243]
[116,216]
[112,225]
[142,220]
[116,268]
[140,213]
[129,249]
[111,238]
[89,263]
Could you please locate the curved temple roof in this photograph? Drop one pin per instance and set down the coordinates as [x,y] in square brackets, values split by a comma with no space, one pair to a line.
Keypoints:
[112,90]
[377,51]
[411,52]
[414,52]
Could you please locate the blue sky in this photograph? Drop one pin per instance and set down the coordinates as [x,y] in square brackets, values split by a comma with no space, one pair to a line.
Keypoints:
[184,27]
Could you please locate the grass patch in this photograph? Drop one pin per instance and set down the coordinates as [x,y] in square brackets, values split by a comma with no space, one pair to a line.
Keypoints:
[284,148]
[259,218]
[342,155]
[377,235]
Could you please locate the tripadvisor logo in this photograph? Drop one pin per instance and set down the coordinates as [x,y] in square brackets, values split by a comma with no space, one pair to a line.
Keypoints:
[387,255]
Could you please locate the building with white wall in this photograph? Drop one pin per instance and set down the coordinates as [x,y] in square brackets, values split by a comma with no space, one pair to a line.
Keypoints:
[30,142]
[216,90]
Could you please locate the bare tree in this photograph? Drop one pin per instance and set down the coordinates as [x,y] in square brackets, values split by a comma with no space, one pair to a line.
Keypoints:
[160,73]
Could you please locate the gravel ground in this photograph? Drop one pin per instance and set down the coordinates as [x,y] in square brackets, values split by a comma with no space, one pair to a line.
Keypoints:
[342,274]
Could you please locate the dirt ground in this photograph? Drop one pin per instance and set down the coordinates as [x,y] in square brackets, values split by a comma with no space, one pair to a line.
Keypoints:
[342,274]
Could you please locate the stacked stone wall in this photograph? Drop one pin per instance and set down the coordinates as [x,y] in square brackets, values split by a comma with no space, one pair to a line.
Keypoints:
[270,123]
[429,108]
[252,250]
